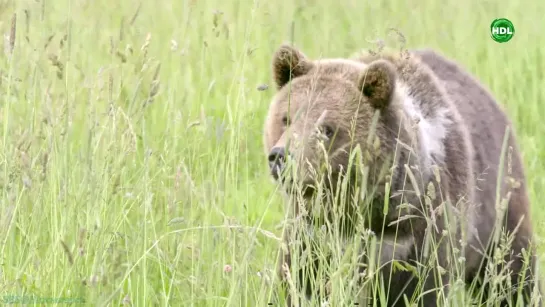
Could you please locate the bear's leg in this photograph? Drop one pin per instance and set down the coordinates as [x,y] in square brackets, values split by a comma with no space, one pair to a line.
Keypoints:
[518,288]
[284,266]
[522,261]
[522,278]
[429,284]
[284,263]
[405,283]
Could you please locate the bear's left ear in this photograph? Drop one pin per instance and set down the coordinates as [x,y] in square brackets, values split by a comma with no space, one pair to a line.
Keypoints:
[289,63]
[377,83]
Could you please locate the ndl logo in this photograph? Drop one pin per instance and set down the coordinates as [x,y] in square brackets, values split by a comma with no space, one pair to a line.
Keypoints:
[502,30]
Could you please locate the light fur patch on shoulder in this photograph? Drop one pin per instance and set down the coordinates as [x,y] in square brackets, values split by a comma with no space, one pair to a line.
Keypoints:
[432,131]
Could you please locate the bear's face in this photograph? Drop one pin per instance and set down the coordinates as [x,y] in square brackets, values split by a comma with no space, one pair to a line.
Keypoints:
[322,110]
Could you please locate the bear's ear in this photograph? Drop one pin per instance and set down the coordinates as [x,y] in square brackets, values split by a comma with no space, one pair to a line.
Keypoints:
[377,83]
[289,63]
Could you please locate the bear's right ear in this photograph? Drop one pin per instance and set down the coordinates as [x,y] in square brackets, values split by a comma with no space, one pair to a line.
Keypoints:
[289,63]
[377,83]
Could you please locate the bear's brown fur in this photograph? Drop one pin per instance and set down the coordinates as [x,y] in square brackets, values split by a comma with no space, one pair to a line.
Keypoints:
[437,126]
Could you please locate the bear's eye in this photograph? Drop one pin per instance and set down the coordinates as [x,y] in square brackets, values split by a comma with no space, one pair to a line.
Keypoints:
[285,120]
[328,131]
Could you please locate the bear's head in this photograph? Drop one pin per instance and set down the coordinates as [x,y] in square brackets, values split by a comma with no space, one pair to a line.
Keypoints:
[325,109]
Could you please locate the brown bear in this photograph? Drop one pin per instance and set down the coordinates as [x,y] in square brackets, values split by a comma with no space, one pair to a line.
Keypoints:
[424,124]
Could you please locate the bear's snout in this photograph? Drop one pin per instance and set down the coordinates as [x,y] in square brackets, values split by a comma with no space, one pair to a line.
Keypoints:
[277,160]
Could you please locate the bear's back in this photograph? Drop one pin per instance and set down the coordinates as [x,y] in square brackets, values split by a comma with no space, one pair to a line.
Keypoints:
[482,115]
[486,123]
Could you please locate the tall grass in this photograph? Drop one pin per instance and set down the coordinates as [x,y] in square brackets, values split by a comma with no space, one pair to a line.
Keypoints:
[131,159]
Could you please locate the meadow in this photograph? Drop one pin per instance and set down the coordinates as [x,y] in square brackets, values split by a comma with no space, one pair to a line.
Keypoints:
[132,168]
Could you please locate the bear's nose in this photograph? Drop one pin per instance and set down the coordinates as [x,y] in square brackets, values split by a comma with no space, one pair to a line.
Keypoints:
[277,159]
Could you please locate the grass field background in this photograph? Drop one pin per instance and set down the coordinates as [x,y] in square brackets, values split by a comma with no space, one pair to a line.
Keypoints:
[132,168]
